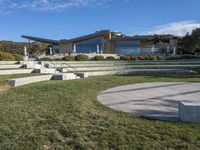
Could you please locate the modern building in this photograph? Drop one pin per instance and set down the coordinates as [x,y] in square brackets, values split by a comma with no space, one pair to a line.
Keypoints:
[107,42]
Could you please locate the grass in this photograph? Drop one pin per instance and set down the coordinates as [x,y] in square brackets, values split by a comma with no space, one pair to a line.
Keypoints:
[67,115]
[3,80]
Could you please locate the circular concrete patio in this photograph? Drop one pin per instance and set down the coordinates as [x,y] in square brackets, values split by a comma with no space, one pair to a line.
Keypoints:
[157,100]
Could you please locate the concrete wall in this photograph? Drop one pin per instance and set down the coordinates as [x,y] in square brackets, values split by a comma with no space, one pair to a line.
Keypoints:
[66,48]
[27,80]
[189,112]
[17,71]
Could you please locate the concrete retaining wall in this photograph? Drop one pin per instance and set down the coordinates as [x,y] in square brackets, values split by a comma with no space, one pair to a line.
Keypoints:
[137,72]
[189,112]
[16,71]
[8,62]
[45,71]
[8,66]
[27,80]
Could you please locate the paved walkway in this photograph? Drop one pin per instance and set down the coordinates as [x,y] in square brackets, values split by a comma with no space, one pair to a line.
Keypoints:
[158,100]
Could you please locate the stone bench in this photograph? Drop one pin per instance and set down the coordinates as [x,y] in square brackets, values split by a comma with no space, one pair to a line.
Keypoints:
[27,80]
[189,112]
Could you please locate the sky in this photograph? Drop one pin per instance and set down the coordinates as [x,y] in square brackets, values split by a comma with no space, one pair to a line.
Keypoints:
[65,19]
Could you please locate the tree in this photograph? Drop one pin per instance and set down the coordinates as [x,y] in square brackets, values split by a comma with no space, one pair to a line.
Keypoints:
[191,43]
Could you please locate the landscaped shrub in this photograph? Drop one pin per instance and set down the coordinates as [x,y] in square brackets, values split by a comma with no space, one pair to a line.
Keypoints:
[69,58]
[18,57]
[134,58]
[160,58]
[57,59]
[110,58]
[82,57]
[126,58]
[141,58]
[151,58]
[6,57]
[186,56]
[189,57]
[45,59]
[99,58]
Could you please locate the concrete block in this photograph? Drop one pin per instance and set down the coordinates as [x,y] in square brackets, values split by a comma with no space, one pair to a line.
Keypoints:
[16,71]
[83,74]
[9,62]
[65,76]
[45,70]
[9,66]
[27,80]
[189,112]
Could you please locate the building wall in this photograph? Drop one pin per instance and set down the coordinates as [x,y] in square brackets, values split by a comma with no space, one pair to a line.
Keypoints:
[66,48]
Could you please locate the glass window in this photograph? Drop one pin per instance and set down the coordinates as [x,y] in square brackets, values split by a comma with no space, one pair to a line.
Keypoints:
[90,46]
[128,47]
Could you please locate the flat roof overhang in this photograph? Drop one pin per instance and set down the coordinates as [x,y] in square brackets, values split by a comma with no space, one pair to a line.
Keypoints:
[49,41]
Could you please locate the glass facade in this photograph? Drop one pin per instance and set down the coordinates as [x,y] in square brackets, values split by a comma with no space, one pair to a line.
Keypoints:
[90,46]
[128,47]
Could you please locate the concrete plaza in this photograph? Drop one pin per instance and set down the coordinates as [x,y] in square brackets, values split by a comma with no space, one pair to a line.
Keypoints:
[157,100]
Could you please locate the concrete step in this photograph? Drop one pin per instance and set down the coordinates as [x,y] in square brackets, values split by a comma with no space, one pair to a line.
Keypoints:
[136,72]
[45,70]
[9,66]
[129,67]
[9,62]
[16,71]
[65,76]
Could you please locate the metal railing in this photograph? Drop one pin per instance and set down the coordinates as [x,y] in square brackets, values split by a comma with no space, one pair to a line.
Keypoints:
[67,66]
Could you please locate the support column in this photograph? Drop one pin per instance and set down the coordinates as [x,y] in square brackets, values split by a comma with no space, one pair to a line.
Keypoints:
[74,48]
[25,51]
[98,49]
[174,52]
[50,51]
[153,48]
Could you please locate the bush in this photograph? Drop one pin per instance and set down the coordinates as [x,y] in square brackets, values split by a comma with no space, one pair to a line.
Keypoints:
[160,58]
[141,58]
[18,57]
[151,58]
[57,59]
[6,57]
[110,58]
[126,58]
[134,58]
[186,56]
[81,57]
[45,59]
[99,58]
[69,58]
[189,57]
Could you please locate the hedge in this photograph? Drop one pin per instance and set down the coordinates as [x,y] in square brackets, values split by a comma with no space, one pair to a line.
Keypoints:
[81,57]
[99,58]
[18,57]
[110,58]
[6,57]
[69,58]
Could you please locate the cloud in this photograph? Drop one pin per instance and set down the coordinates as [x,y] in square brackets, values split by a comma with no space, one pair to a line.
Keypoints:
[49,5]
[176,28]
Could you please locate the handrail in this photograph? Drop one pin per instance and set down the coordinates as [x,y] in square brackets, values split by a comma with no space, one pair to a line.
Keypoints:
[74,68]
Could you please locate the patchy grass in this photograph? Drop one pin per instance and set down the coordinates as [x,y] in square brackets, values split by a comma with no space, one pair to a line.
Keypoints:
[3,80]
[67,115]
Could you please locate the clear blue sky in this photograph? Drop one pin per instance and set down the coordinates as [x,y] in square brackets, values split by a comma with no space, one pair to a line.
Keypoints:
[64,19]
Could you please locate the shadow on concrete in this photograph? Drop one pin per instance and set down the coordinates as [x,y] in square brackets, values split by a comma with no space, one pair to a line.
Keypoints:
[143,88]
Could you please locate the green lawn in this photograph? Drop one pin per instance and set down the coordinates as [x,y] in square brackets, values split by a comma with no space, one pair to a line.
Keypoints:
[67,115]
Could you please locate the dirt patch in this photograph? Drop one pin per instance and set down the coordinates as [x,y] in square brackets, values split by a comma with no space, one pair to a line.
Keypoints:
[4,88]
